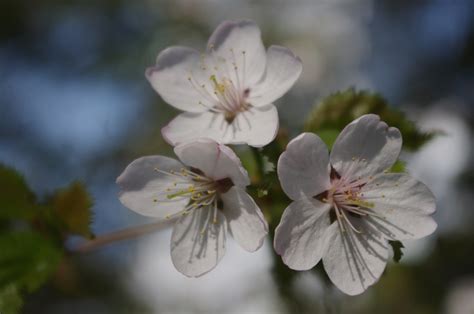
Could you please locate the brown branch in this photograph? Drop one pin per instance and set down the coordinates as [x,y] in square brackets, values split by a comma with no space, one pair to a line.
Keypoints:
[121,235]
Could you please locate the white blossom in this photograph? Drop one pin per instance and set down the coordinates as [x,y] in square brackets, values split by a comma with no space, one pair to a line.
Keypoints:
[204,194]
[227,92]
[346,206]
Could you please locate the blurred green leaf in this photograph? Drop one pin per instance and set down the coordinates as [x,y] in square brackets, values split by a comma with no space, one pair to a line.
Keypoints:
[73,206]
[334,112]
[329,136]
[27,260]
[10,300]
[397,247]
[398,167]
[16,199]
[262,192]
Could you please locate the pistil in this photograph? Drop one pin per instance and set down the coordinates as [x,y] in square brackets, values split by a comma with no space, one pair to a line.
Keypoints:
[346,198]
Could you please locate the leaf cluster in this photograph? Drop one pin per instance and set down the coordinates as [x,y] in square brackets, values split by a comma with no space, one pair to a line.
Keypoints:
[32,234]
[337,110]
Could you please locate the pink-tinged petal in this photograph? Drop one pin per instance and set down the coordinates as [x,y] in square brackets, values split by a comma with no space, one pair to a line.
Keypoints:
[197,242]
[217,161]
[142,189]
[239,43]
[178,78]
[245,219]
[300,237]
[255,127]
[282,71]
[402,205]
[355,261]
[365,147]
[303,169]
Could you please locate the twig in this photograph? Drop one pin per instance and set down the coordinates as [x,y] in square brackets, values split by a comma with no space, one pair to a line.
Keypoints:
[120,235]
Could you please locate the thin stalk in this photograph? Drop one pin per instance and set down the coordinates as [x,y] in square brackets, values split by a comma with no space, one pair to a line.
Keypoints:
[120,235]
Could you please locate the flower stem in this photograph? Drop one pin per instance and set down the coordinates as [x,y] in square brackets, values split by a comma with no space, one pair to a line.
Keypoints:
[120,235]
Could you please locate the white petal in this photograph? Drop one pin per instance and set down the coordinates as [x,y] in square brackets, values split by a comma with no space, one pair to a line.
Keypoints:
[246,222]
[303,169]
[198,244]
[365,147]
[282,71]
[355,261]
[404,204]
[142,188]
[240,42]
[255,127]
[171,75]
[217,161]
[300,236]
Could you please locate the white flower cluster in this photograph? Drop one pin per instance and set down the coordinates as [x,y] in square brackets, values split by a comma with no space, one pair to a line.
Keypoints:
[345,205]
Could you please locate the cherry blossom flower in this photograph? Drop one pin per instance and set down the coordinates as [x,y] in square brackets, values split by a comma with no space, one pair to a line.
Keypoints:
[204,194]
[346,206]
[227,92]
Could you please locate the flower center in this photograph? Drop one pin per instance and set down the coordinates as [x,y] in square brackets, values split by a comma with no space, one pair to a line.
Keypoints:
[347,200]
[192,184]
[221,83]
[231,100]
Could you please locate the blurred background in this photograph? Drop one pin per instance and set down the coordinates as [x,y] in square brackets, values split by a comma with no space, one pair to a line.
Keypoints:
[75,105]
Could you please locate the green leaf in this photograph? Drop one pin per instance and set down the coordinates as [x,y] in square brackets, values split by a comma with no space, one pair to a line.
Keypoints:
[329,136]
[339,109]
[27,260]
[10,300]
[73,207]
[397,247]
[398,167]
[17,201]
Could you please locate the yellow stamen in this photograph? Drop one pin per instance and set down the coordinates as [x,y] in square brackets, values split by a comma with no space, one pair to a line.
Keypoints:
[219,87]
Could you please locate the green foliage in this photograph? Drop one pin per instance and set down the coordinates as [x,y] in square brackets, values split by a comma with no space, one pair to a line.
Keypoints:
[27,260]
[332,114]
[30,255]
[10,300]
[261,192]
[397,247]
[72,205]
[398,167]
[16,199]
